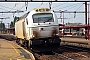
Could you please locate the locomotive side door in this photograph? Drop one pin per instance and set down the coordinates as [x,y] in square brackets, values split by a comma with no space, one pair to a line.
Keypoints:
[24,31]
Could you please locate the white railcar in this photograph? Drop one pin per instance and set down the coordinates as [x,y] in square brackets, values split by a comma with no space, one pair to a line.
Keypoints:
[37,27]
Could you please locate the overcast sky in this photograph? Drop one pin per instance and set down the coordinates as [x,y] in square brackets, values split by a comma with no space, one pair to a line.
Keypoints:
[69,6]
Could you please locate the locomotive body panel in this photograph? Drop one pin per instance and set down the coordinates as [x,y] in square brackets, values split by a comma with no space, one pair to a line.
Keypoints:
[19,29]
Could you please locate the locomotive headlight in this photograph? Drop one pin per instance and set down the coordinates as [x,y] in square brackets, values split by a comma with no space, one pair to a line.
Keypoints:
[35,34]
[55,32]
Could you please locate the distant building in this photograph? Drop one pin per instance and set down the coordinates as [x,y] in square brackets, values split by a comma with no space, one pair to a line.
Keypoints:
[73,28]
[11,31]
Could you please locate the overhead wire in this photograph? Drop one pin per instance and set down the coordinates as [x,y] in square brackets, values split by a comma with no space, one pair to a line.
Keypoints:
[53,7]
[79,7]
[9,10]
[22,7]
[78,17]
[6,7]
[13,8]
[41,4]
[2,13]
[73,6]
[72,19]
[17,9]
[68,6]
[3,9]
[59,5]
[76,10]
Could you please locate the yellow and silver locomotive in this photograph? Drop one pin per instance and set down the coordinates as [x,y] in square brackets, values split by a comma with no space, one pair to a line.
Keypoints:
[38,27]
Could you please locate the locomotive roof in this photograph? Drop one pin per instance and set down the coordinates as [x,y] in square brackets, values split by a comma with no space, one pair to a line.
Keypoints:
[23,16]
[26,14]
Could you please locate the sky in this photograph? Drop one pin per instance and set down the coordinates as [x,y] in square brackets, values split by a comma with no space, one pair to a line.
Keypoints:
[56,6]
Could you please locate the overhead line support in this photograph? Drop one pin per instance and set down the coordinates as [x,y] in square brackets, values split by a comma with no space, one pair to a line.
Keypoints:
[70,12]
[12,12]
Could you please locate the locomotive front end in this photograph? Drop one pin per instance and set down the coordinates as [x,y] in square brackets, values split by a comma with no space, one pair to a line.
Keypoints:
[45,30]
[38,28]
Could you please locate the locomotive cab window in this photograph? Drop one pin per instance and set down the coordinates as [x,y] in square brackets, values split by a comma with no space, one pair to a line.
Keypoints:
[43,17]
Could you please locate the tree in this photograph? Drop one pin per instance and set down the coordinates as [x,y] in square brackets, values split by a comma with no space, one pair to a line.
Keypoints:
[15,18]
[2,26]
[12,24]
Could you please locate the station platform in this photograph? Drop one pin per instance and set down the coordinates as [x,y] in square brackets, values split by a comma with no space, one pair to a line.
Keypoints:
[11,51]
[75,40]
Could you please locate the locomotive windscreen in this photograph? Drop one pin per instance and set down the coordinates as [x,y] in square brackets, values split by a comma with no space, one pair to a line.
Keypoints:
[43,17]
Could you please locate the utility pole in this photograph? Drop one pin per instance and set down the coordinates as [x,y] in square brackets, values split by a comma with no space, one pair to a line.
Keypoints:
[8,27]
[50,3]
[63,23]
[1,27]
[86,19]
[86,13]
[8,24]
[26,5]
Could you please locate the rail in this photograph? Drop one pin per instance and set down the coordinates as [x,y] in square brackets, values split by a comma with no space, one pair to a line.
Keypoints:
[68,58]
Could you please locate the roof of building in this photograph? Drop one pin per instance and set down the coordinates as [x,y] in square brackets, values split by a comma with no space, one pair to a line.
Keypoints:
[11,28]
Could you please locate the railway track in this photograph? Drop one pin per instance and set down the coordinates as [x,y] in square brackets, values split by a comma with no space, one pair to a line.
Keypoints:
[64,52]
[76,48]
[63,56]
[51,56]
[77,53]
